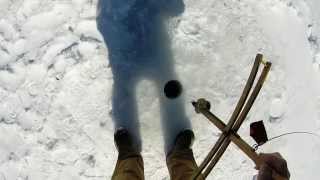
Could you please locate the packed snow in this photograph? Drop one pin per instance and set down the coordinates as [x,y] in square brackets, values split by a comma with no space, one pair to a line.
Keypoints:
[56,115]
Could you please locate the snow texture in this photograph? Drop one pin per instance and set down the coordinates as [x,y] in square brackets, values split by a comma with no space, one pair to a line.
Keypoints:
[59,62]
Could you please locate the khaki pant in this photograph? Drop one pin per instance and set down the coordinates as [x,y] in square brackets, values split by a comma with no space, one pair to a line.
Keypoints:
[181,166]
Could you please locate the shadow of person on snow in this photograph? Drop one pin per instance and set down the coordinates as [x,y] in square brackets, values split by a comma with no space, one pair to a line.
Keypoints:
[139,48]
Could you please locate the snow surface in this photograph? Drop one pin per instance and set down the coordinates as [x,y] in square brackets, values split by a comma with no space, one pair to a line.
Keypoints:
[56,83]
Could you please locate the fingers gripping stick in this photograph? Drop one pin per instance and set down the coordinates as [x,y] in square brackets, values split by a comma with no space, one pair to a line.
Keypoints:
[230,130]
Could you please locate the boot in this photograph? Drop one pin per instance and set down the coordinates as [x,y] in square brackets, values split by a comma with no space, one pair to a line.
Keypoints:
[183,143]
[184,140]
[125,144]
[180,161]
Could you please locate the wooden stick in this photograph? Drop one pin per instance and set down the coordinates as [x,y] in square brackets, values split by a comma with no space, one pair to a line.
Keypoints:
[246,91]
[230,134]
[236,139]
[217,157]
[253,97]
[209,157]
[235,114]
[240,119]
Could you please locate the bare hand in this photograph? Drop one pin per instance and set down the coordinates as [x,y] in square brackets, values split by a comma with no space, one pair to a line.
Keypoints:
[273,163]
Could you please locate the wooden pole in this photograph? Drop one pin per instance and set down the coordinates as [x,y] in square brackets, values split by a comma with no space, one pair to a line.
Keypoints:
[240,120]
[235,114]
[236,120]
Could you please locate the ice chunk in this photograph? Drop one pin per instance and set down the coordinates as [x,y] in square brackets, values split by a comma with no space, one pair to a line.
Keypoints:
[7,30]
[79,3]
[88,50]
[5,58]
[4,5]
[9,170]
[29,7]
[19,47]
[36,73]
[10,109]
[25,98]
[63,156]
[60,65]
[52,52]
[11,81]
[88,29]
[11,144]
[48,20]
[277,108]
[31,121]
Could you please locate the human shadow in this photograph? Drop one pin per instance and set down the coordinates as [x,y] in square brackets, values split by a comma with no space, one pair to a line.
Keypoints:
[139,48]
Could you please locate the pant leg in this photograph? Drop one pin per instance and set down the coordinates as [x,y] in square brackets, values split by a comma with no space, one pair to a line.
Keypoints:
[182,165]
[129,169]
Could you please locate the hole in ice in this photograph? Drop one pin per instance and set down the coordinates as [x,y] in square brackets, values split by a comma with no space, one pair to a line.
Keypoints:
[173,89]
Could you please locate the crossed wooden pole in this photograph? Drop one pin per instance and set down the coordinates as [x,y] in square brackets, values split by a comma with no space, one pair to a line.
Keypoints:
[229,131]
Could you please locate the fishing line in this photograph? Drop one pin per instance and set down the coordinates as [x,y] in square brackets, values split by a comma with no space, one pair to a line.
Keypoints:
[256,146]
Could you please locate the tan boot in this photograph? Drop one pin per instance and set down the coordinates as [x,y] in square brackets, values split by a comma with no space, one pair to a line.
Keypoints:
[130,164]
[180,160]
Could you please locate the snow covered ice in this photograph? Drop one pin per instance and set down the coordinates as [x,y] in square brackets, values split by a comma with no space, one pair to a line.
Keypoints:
[56,86]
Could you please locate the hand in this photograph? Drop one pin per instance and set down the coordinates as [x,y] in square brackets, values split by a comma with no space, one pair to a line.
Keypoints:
[273,163]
